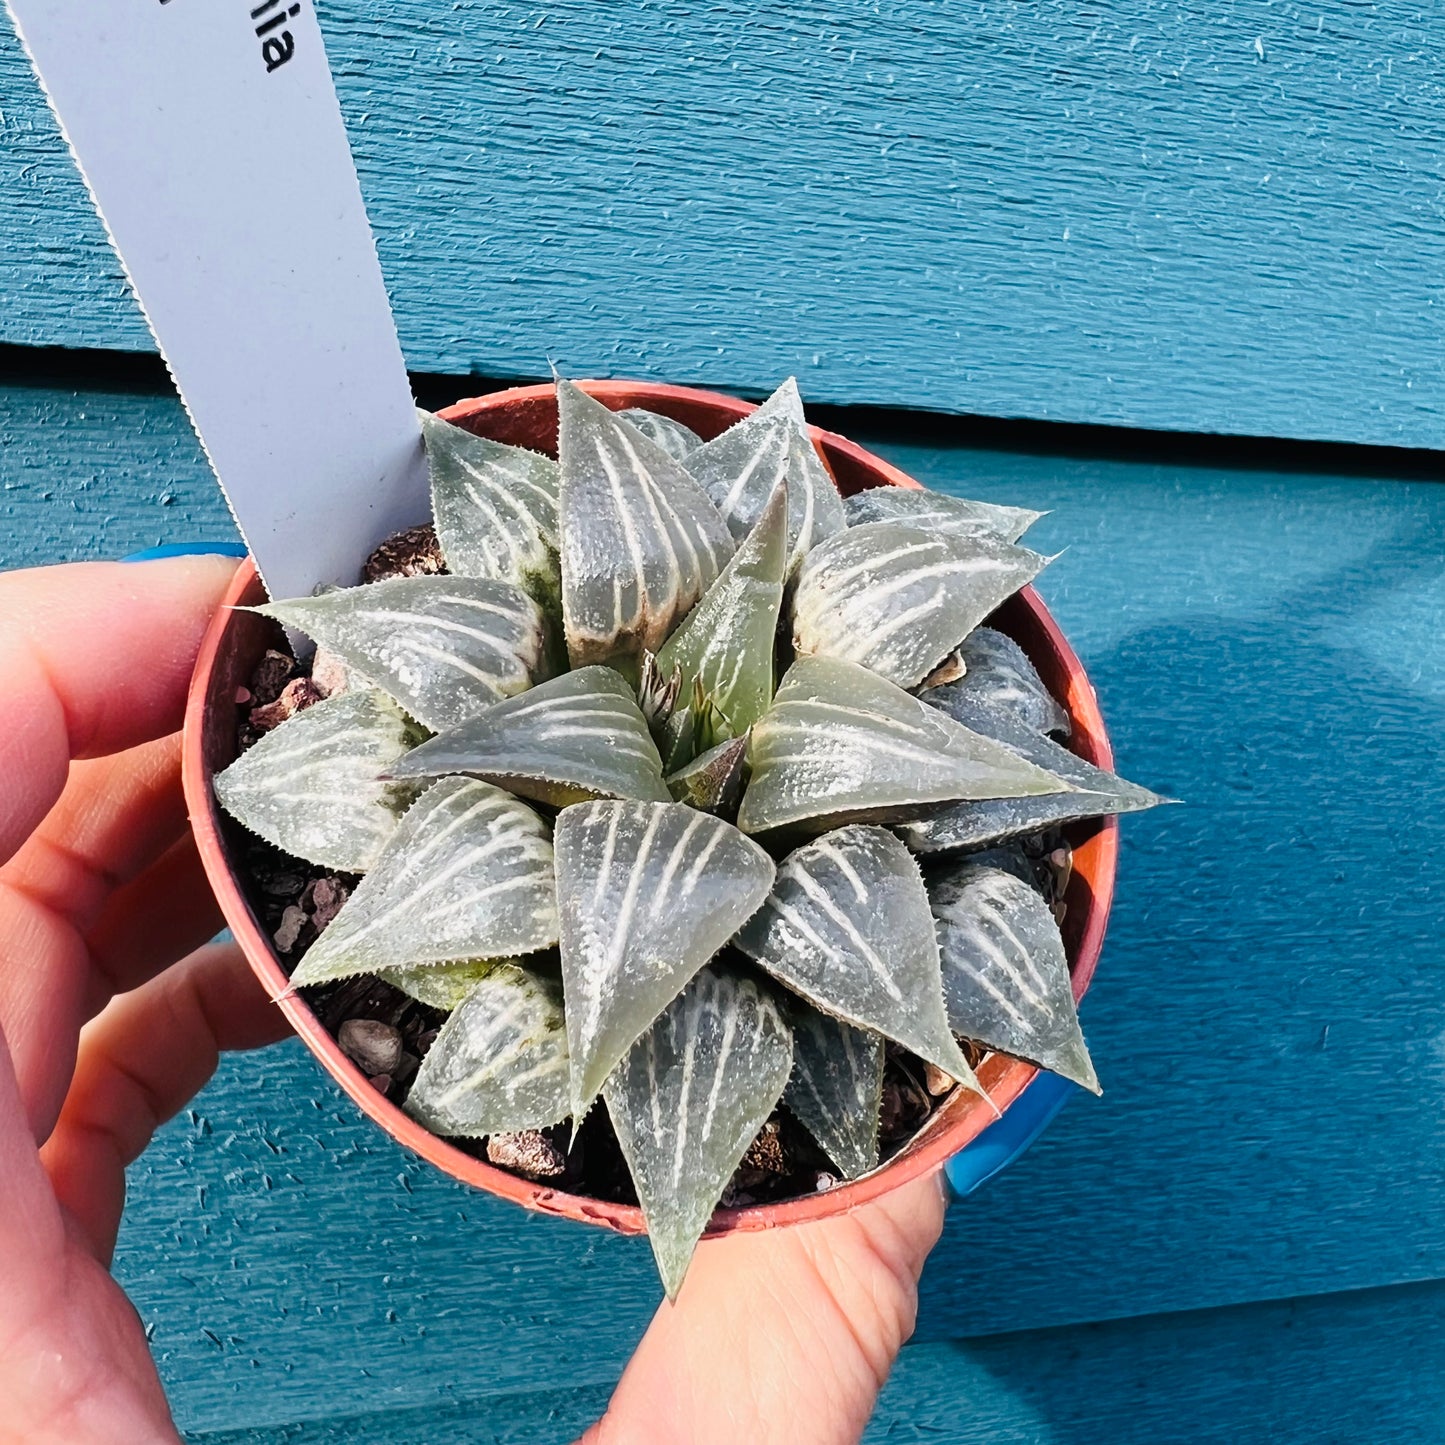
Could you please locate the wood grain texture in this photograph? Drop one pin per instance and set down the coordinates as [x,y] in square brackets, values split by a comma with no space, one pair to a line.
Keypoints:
[1162,214]
[1297,1372]
[1266,1016]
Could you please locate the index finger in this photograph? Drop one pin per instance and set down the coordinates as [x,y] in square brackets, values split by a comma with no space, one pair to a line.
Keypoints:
[96,658]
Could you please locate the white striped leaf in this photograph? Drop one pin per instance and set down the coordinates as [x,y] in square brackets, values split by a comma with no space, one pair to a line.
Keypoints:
[836,1089]
[998,673]
[312,786]
[1005,973]
[640,540]
[495,508]
[841,744]
[674,438]
[579,736]
[897,600]
[468,874]
[847,926]
[741,469]
[713,781]
[648,893]
[939,513]
[441,985]
[500,1061]
[1094,792]
[727,641]
[689,1098]
[443,647]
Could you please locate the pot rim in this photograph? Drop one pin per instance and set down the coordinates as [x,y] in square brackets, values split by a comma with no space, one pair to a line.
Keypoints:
[967,1115]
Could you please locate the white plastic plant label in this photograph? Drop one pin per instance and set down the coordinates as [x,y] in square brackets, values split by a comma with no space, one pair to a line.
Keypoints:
[211,139]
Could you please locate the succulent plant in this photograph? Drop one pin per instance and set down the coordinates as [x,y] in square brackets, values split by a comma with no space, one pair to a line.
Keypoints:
[639,787]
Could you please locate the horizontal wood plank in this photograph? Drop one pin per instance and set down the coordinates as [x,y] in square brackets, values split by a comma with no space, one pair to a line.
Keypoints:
[1297,1372]
[1265,1017]
[1175,216]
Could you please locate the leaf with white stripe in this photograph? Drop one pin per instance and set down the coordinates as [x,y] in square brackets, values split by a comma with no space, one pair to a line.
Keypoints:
[998,673]
[847,926]
[312,786]
[939,513]
[579,736]
[648,893]
[727,641]
[1005,973]
[836,1089]
[689,1098]
[713,781]
[441,985]
[495,508]
[741,469]
[468,874]
[443,647]
[499,1063]
[640,540]
[674,438]
[898,601]
[1093,792]
[840,744]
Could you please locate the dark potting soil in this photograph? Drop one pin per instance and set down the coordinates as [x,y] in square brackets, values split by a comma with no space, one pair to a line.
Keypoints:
[387,1033]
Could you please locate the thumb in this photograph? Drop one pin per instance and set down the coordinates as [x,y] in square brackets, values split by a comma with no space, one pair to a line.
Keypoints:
[785,1335]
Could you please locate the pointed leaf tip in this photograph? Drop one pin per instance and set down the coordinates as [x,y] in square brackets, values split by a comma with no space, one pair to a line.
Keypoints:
[312,786]
[467,874]
[937,512]
[648,893]
[897,600]
[847,925]
[690,1097]
[500,1061]
[444,647]
[842,744]
[726,643]
[640,540]
[1005,972]
[579,736]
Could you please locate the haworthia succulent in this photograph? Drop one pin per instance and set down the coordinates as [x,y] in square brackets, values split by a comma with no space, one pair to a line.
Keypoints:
[648,893]
[713,781]
[312,785]
[495,508]
[689,1098]
[579,736]
[897,600]
[1005,973]
[640,540]
[1093,792]
[441,985]
[674,438]
[443,647]
[997,672]
[467,875]
[726,643]
[836,1088]
[847,926]
[499,1062]
[938,513]
[841,744]
[741,469]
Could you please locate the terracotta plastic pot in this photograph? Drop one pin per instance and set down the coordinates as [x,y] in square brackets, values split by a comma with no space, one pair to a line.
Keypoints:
[527,416]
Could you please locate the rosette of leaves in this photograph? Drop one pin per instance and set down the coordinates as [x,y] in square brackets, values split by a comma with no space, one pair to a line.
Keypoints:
[636,790]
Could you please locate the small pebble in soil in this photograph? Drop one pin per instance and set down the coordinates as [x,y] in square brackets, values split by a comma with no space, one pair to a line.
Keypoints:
[529,1152]
[374,1046]
[937,1082]
[271,674]
[413,553]
[298,694]
[381,1083]
[322,899]
[823,1182]
[329,673]
[293,920]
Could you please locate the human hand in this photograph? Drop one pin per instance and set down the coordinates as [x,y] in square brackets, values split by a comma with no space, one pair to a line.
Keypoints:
[782,1336]
[108,1021]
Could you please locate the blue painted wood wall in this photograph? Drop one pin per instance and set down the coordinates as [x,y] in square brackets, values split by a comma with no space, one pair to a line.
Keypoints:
[1199,217]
